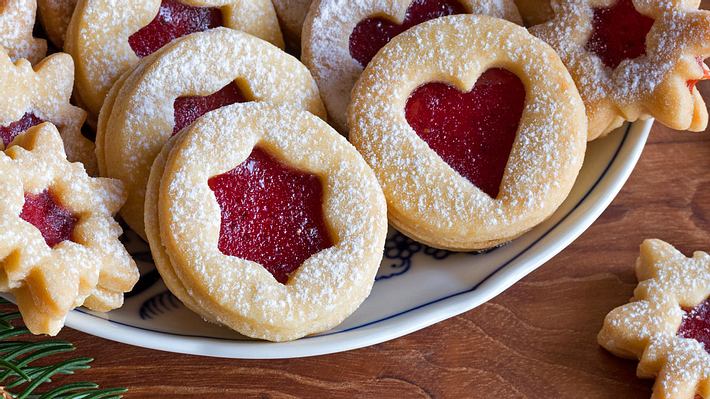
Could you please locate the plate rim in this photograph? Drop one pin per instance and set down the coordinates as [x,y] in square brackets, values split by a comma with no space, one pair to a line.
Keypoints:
[571,226]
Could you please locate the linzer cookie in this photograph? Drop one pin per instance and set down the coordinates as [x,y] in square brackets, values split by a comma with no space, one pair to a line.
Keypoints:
[340,37]
[266,220]
[59,246]
[32,96]
[17,19]
[179,83]
[535,12]
[634,59]
[291,14]
[667,323]
[108,37]
[474,129]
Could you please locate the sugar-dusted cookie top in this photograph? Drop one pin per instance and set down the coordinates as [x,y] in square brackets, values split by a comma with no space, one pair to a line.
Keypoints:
[17,19]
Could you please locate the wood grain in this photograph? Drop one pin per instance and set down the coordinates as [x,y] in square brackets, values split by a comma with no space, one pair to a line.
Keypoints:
[536,340]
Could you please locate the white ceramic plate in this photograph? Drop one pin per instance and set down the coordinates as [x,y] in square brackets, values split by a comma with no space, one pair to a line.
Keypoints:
[415,288]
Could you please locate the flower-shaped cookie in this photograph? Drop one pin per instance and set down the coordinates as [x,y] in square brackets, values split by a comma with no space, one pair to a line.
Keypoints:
[109,37]
[667,323]
[340,37]
[55,16]
[17,19]
[59,244]
[634,59]
[32,96]
[179,83]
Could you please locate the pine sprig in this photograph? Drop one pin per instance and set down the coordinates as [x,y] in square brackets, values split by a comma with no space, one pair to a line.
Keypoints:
[22,378]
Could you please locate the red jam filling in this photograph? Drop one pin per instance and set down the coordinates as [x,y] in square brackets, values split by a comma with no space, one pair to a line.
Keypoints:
[55,222]
[706,74]
[188,109]
[473,132]
[371,34]
[9,132]
[174,20]
[271,214]
[619,33]
[696,324]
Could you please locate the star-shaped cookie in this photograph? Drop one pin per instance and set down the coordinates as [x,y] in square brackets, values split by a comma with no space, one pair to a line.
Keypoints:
[667,323]
[59,246]
[633,59]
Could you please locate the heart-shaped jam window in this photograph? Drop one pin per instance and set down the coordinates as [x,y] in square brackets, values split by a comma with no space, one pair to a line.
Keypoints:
[271,214]
[187,109]
[473,132]
[619,33]
[371,34]
[44,211]
[696,324]
[174,20]
[14,129]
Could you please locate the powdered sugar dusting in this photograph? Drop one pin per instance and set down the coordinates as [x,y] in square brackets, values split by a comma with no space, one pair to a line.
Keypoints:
[17,18]
[424,193]
[328,286]
[326,42]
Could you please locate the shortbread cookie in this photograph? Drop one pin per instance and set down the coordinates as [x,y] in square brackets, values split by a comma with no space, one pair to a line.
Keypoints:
[341,36]
[108,37]
[55,16]
[474,129]
[17,19]
[634,59]
[32,96]
[667,323]
[291,14]
[178,84]
[535,12]
[59,244]
[283,229]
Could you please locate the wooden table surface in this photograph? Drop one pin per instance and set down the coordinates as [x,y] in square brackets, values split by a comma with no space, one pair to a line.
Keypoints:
[536,340]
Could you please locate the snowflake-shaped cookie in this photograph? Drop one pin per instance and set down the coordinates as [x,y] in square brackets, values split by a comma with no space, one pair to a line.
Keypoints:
[31,96]
[55,16]
[59,245]
[17,19]
[633,59]
[652,327]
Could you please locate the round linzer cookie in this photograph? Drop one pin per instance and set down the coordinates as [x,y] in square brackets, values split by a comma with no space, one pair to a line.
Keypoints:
[292,13]
[666,326]
[17,20]
[55,16]
[59,246]
[32,96]
[266,220]
[181,82]
[340,37]
[474,128]
[634,59]
[107,37]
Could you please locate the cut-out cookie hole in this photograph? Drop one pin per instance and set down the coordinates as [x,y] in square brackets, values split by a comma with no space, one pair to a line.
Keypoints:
[45,212]
[272,214]
[14,129]
[174,20]
[473,132]
[619,33]
[371,34]
[188,109]
[696,324]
